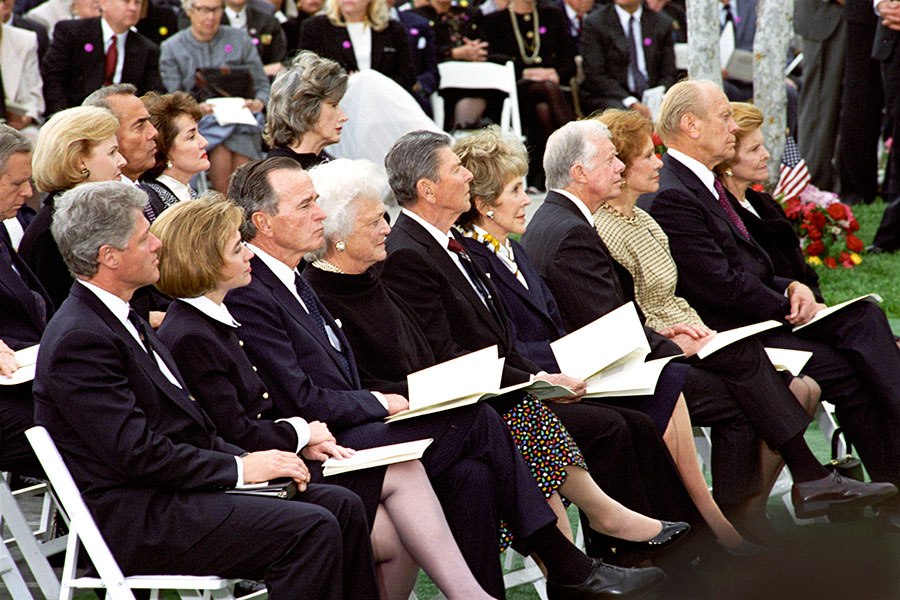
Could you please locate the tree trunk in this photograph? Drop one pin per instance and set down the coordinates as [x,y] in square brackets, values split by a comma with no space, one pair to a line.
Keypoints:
[703,40]
[773,34]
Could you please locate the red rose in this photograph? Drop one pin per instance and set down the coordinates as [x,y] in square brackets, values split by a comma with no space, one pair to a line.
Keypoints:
[830,262]
[814,234]
[854,225]
[758,187]
[657,141]
[854,244]
[816,248]
[837,211]
[817,219]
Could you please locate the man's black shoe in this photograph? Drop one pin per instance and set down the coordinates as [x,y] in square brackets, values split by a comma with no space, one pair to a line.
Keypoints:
[609,582]
[815,498]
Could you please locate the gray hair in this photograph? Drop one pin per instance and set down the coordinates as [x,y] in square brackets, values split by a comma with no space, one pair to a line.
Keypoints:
[187,5]
[92,215]
[688,96]
[340,184]
[411,158]
[570,145]
[11,142]
[100,97]
[295,101]
[250,189]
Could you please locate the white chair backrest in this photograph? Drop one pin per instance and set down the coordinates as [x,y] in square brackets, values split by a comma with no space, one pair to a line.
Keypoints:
[81,523]
[458,74]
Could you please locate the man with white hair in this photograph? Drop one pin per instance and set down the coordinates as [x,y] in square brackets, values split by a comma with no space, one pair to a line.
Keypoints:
[729,279]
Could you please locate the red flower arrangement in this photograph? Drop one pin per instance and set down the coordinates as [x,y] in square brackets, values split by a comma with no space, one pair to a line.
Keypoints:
[658,147]
[825,226]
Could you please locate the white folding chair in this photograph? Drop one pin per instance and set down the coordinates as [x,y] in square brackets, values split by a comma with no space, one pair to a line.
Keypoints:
[459,74]
[83,531]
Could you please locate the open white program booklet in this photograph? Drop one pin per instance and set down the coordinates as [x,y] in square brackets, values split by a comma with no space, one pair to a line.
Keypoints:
[27,359]
[376,457]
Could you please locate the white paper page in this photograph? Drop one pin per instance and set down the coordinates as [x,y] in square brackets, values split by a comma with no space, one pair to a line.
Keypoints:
[634,378]
[833,309]
[652,99]
[540,389]
[681,56]
[231,111]
[724,338]
[27,359]
[597,345]
[784,359]
[726,44]
[383,455]
[474,373]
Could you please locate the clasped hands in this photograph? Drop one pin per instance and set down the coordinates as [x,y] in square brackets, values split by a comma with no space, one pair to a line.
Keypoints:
[8,362]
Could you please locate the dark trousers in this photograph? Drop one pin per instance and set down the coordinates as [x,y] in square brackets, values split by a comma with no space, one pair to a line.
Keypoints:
[857,364]
[888,234]
[479,476]
[17,415]
[317,548]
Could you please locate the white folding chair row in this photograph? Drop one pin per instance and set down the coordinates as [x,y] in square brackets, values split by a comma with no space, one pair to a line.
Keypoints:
[83,531]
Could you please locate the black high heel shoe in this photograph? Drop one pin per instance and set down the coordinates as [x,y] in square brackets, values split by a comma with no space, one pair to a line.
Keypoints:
[671,532]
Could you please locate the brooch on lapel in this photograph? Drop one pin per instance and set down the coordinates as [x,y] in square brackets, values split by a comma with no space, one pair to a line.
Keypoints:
[266,39]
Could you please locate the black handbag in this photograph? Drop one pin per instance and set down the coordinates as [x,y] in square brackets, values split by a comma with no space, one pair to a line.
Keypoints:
[224,81]
[848,465]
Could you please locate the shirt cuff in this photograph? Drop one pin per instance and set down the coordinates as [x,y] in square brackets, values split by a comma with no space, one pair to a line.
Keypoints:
[301,427]
[627,102]
[380,397]
[240,468]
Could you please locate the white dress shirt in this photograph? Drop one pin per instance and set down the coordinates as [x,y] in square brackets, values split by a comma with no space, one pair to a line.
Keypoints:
[238,20]
[707,177]
[219,313]
[286,275]
[181,191]
[624,19]
[15,231]
[120,46]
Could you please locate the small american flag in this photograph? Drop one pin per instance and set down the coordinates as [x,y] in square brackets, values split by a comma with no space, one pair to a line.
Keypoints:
[793,176]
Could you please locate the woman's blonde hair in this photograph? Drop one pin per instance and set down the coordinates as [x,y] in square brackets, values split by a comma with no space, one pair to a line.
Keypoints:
[377,14]
[494,161]
[748,119]
[194,234]
[66,138]
[628,131]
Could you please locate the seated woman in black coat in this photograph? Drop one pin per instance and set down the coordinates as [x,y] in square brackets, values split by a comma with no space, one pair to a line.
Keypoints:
[202,258]
[388,348]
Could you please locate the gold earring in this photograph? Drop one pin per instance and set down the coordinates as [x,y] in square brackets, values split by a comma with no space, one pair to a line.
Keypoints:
[489,214]
[86,172]
[728,172]
[624,184]
[340,246]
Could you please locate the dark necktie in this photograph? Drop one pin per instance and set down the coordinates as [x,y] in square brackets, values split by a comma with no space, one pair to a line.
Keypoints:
[640,82]
[480,287]
[729,209]
[6,265]
[112,57]
[138,323]
[312,306]
[729,16]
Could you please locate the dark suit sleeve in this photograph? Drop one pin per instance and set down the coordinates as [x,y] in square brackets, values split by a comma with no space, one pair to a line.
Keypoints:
[293,392]
[54,68]
[407,274]
[704,269]
[403,62]
[94,395]
[151,82]
[205,365]
[312,36]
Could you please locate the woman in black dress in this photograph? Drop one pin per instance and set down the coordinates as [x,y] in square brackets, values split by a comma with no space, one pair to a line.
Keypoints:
[201,260]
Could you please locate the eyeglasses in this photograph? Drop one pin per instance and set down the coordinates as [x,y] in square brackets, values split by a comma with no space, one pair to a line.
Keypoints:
[207,10]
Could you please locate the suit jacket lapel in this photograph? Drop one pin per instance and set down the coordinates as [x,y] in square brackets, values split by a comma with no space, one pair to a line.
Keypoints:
[614,26]
[504,277]
[95,64]
[284,297]
[19,286]
[345,47]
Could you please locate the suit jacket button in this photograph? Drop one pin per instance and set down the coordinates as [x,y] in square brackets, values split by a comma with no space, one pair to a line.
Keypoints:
[191,398]
[253,367]
[259,416]
[241,343]
[265,395]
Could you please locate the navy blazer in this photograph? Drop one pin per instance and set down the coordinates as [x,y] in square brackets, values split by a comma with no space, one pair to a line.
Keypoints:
[728,279]
[73,65]
[21,325]
[605,51]
[285,343]
[143,453]
[577,267]
[227,386]
[532,310]
[448,309]
[391,52]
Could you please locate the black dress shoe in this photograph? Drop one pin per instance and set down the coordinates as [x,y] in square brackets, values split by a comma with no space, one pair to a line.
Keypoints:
[815,498]
[747,549]
[671,532]
[873,249]
[607,581]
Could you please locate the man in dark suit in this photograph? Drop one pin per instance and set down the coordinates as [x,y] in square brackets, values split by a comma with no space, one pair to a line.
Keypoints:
[24,308]
[885,51]
[619,66]
[86,54]
[262,27]
[308,367]
[146,457]
[729,279]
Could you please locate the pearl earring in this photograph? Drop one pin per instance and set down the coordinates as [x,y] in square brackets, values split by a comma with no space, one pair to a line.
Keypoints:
[169,165]
[340,246]
[489,214]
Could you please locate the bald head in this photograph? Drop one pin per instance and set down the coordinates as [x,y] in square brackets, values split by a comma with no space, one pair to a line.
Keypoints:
[696,118]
